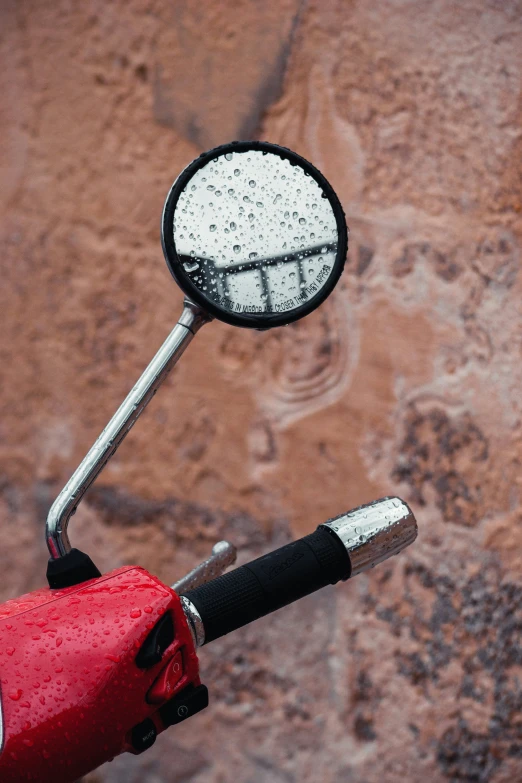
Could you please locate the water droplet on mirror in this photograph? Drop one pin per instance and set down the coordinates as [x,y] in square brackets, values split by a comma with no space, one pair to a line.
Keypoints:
[213,227]
[228,156]
[233,226]
[252,183]
[211,187]
[237,248]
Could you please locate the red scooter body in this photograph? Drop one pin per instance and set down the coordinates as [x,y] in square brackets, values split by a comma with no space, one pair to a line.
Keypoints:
[84,673]
[94,666]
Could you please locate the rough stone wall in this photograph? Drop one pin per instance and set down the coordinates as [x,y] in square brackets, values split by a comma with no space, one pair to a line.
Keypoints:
[407,381]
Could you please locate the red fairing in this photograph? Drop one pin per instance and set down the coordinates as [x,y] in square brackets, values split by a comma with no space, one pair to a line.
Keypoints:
[71,691]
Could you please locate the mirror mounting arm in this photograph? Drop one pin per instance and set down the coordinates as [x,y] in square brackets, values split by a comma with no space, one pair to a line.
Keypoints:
[192,319]
[247,287]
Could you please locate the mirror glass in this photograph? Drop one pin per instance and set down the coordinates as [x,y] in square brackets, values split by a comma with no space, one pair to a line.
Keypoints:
[255,233]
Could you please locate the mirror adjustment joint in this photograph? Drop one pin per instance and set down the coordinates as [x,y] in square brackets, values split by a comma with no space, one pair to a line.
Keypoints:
[187,703]
[161,637]
[143,736]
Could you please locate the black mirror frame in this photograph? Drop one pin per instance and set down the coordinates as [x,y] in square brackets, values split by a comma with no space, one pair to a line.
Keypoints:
[250,320]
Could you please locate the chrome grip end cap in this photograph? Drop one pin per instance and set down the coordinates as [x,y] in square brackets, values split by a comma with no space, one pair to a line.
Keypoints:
[374,532]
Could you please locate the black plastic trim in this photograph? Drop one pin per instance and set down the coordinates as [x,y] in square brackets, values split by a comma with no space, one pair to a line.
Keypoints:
[187,703]
[157,641]
[71,569]
[143,736]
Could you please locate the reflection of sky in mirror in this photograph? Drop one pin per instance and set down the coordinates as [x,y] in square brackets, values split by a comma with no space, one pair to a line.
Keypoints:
[255,233]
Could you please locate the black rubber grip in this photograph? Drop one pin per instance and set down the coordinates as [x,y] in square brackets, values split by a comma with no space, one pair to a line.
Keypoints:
[270,582]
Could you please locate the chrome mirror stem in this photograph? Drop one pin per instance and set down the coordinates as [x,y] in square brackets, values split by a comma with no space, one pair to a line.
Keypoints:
[192,319]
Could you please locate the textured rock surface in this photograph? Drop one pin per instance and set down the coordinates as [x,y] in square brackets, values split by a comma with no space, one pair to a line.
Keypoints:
[408,381]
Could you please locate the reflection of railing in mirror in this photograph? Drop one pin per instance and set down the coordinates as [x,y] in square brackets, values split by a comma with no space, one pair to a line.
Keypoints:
[213,278]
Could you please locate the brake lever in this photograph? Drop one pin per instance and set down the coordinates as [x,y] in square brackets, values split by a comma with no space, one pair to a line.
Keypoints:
[224,554]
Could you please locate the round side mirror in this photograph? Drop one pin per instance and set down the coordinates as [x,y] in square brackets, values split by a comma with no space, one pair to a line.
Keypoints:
[254,234]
